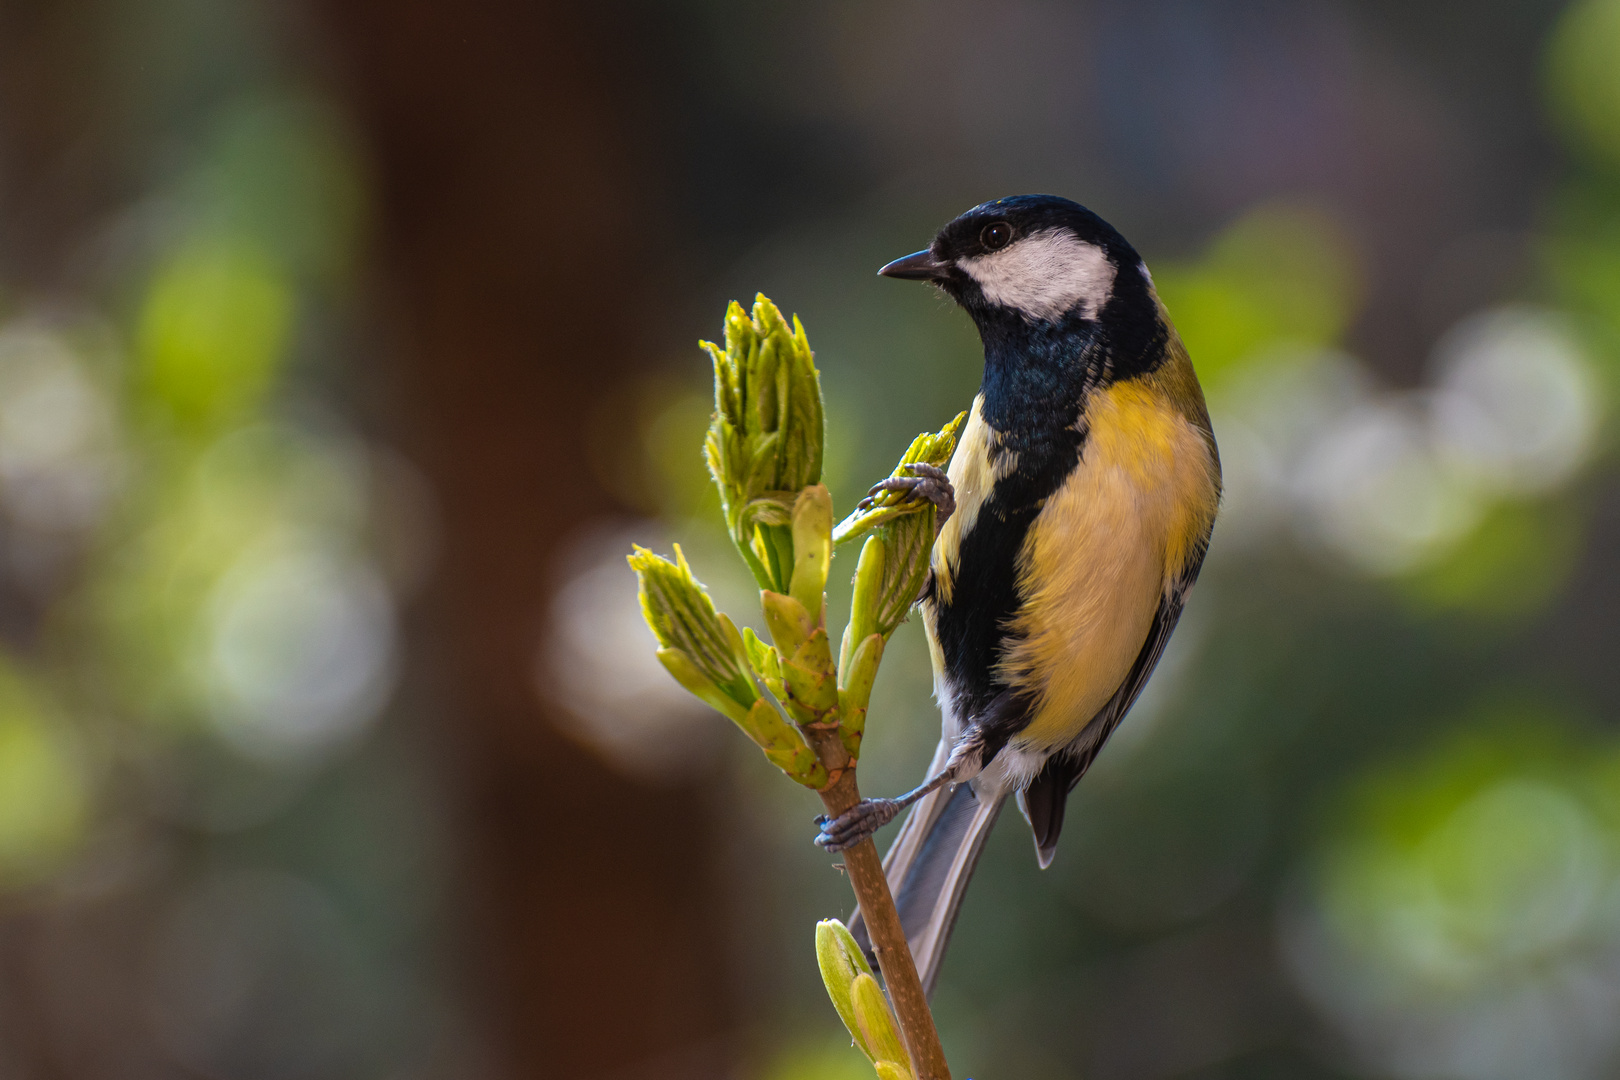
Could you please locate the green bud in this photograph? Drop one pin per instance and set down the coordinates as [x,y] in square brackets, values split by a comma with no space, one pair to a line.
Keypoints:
[788,621]
[859,1001]
[888,578]
[840,960]
[683,618]
[873,1020]
[908,543]
[812,545]
[869,572]
[856,676]
[812,684]
[765,440]
[764,415]
[768,507]
[784,746]
[739,331]
[899,531]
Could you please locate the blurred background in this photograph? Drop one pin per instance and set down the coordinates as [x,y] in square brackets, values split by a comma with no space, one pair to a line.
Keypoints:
[346,348]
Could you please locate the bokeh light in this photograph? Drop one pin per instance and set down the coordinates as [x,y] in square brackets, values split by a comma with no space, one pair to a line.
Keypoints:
[619,699]
[59,443]
[1516,408]
[300,644]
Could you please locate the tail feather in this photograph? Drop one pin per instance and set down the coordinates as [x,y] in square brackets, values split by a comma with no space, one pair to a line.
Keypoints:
[929,867]
[1043,800]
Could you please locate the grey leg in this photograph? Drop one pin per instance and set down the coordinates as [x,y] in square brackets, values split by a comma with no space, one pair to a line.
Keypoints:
[869,815]
[926,482]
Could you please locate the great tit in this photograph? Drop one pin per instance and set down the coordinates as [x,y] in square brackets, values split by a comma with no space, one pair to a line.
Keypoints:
[1085,487]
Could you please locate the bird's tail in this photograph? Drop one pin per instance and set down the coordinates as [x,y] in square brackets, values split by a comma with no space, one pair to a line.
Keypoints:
[929,867]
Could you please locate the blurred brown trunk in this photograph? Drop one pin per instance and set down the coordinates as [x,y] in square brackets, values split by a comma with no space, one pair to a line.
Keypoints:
[509,228]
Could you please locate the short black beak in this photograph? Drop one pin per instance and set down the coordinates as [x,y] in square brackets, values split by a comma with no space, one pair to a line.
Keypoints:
[921,266]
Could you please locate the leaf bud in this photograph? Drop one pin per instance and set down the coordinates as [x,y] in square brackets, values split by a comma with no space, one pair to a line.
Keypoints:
[788,621]
[683,619]
[840,960]
[812,684]
[856,676]
[784,746]
[873,1020]
[812,545]
[765,440]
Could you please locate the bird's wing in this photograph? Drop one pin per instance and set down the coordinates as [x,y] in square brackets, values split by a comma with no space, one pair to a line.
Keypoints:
[1043,801]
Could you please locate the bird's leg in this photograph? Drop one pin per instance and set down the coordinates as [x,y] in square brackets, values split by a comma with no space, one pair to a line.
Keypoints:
[926,481]
[869,815]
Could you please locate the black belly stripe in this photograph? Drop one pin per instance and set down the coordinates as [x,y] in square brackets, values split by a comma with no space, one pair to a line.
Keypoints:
[972,628]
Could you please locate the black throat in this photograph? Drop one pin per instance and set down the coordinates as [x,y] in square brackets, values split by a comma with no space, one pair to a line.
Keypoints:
[1036,378]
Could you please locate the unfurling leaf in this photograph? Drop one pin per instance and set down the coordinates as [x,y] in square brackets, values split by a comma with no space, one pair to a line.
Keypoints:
[765,441]
[681,615]
[704,652]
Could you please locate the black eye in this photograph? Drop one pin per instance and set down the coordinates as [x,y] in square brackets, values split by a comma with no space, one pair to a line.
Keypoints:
[995,235]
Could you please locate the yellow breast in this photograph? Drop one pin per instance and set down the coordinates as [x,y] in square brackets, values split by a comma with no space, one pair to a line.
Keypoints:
[1102,552]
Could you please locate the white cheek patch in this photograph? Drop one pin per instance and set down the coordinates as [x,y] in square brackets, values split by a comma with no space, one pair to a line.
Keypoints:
[1045,275]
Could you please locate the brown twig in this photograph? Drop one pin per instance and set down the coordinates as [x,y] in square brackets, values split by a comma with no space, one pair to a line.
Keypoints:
[883,921]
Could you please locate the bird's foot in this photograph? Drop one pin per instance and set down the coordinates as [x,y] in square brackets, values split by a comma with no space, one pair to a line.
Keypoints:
[856,824]
[925,482]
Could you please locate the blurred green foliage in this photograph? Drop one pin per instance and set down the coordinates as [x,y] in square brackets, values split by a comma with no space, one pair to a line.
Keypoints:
[1584,85]
[213,330]
[44,782]
[1468,891]
[1281,278]
[1467,858]
[200,619]
[238,503]
[1512,564]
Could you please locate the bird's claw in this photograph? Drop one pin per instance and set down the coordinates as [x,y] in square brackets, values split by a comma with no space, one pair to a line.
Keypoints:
[927,482]
[855,824]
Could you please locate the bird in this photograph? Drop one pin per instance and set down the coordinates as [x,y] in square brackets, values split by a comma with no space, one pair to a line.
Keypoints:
[1081,497]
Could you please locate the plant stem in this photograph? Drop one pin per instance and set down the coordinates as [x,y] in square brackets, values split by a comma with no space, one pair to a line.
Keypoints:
[865,871]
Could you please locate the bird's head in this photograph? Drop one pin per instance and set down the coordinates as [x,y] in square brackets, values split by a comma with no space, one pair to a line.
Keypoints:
[1039,259]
